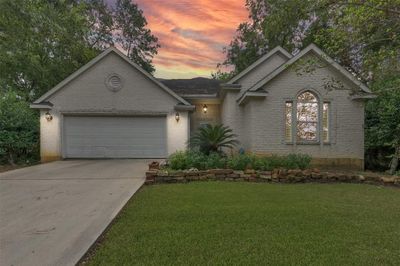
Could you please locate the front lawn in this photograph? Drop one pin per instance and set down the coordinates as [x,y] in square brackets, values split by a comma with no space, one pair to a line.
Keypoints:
[255,223]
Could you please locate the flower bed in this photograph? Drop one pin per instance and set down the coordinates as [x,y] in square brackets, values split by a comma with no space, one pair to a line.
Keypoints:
[276,175]
[182,160]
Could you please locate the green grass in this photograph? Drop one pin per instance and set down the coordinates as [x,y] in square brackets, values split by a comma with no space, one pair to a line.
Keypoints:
[222,223]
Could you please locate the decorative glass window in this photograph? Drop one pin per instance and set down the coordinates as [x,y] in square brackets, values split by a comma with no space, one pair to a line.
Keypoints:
[288,126]
[302,119]
[325,122]
[307,117]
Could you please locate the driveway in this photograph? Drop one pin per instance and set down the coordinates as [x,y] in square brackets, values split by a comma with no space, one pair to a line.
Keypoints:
[51,214]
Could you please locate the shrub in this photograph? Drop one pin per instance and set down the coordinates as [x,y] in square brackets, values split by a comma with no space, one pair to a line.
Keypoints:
[241,161]
[211,139]
[177,160]
[301,161]
[215,160]
[194,159]
[19,130]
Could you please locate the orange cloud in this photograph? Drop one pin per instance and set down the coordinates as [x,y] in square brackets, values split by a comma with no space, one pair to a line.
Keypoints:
[192,33]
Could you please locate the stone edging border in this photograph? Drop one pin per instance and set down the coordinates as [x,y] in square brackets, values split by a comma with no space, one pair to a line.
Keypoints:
[154,176]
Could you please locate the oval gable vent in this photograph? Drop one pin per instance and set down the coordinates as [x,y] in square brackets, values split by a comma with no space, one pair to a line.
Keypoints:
[114,82]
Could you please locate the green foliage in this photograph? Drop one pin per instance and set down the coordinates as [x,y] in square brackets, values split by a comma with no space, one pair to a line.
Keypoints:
[194,159]
[242,161]
[383,125]
[268,163]
[43,42]
[210,139]
[215,161]
[363,36]
[134,38]
[19,130]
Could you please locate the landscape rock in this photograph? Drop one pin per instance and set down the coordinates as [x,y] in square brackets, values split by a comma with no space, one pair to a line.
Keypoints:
[361,178]
[220,171]
[249,171]
[277,175]
[386,180]
[154,165]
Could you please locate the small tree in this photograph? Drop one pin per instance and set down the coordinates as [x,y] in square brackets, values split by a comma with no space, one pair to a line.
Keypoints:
[210,139]
[18,129]
[383,121]
[132,34]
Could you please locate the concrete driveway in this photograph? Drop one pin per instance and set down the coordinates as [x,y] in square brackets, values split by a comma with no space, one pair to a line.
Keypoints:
[50,214]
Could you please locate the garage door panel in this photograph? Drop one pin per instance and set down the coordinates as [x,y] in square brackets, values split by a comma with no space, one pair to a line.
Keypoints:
[115,137]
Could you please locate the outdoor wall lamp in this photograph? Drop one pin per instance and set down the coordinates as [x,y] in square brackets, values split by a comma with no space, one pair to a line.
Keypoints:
[48,116]
[205,108]
[177,117]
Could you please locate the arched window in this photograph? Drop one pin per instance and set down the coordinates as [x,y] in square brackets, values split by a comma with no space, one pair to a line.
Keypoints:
[307,117]
[303,119]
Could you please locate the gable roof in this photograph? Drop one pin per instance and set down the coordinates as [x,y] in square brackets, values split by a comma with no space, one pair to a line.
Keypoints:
[323,56]
[259,61]
[91,63]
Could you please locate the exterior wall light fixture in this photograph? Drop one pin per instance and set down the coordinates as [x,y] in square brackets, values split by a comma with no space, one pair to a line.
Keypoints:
[205,108]
[177,117]
[48,116]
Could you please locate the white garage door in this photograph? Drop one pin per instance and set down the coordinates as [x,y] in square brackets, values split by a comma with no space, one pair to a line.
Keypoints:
[114,137]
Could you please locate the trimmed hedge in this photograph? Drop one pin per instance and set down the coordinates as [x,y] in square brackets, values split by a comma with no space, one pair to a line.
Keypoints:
[182,160]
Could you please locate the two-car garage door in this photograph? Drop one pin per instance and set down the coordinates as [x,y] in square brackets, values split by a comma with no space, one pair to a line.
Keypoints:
[114,137]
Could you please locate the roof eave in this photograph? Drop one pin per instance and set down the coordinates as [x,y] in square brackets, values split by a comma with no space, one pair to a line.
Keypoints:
[321,54]
[363,97]
[199,96]
[277,49]
[228,86]
[181,107]
[42,105]
[97,59]
[249,95]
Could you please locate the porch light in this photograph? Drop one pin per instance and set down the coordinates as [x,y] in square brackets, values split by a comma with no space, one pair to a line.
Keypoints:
[205,108]
[48,116]
[177,117]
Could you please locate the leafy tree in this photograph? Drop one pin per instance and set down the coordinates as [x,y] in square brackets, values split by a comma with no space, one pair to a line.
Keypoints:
[363,36]
[132,35]
[101,24]
[19,129]
[272,23]
[211,139]
[42,42]
[383,125]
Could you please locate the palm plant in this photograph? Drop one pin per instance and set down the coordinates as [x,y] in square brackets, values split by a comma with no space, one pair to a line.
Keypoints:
[210,139]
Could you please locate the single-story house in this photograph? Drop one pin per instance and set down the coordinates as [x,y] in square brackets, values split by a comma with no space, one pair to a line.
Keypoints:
[111,108]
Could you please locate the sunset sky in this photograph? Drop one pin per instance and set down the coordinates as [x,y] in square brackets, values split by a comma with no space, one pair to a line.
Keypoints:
[191,33]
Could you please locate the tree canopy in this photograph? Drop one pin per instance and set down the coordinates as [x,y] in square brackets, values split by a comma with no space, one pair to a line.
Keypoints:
[42,42]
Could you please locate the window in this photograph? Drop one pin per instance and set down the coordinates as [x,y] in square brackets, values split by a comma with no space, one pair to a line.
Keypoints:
[325,122]
[288,128]
[307,117]
[303,114]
